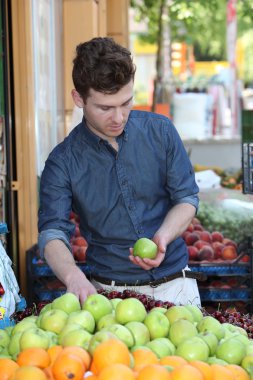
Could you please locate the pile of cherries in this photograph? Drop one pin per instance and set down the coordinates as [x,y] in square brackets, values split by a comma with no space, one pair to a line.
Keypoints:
[227,316]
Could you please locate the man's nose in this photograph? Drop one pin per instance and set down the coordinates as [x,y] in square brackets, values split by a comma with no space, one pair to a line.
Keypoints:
[117,116]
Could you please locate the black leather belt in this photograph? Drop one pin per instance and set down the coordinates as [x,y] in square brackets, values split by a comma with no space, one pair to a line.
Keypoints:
[188,274]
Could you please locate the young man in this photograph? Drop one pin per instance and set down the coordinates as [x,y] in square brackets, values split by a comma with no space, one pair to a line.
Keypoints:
[127,175]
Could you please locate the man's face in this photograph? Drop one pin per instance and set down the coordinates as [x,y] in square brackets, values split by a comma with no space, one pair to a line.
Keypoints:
[107,114]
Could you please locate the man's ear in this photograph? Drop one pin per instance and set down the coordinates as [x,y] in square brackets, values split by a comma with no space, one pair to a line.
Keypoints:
[77,98]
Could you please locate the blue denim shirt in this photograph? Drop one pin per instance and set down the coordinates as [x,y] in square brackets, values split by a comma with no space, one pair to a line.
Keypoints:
[119,196]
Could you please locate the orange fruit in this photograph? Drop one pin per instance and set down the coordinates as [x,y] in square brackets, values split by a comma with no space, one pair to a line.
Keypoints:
[204,368]
[220,372]
[172,360]
[109,352]
[68,366]
[143,357]
[53,352]
[48,372]
[238,371]
[28,373]
[7,368]
[35,356]
[154,372]
[187,372]
[79,351]
[116,371]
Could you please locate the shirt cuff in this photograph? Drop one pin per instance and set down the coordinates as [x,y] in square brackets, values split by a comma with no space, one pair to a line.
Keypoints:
[51,234]
[192,199]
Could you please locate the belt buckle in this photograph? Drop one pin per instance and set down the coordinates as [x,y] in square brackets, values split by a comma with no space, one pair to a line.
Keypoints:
[152,285]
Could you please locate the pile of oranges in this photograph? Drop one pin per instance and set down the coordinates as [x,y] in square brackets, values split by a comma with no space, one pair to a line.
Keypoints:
[111,361]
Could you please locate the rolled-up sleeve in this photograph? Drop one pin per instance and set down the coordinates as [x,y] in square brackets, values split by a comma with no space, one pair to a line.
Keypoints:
[51,234]
[192,199]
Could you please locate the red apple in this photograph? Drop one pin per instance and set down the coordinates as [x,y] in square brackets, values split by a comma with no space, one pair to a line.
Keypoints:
[77,231]
[229,252]
[206,236]
[190,228]
[200,244]
[80,254]
[217,236]
[80,241]
[245,259]
[216,284]
[198,227]
[185,233]
[191,238]
[217,247]
[227,241]
[206,253]
[193,252]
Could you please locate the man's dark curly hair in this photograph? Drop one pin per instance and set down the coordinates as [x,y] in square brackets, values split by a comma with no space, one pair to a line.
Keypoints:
[103,65]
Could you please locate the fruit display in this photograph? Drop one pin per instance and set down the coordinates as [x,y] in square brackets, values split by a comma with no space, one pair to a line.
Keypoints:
[231,179]
[124,335]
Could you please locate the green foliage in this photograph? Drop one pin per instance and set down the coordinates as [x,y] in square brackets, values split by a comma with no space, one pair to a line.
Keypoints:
[201,23]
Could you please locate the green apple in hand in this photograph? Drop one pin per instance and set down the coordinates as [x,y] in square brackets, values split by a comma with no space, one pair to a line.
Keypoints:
[68,302]
[145,248]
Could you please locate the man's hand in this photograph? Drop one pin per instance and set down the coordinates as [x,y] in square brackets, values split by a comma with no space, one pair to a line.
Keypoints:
[148,264]
[78,284]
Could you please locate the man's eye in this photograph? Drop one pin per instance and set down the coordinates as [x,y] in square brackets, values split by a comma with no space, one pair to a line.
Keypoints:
[105,108]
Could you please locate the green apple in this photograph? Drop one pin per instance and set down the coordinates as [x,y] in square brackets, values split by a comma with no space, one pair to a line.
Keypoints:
[145,248]
[157,324]
[99,337]
[211,340]
[47,307]
[209,323]
[196,312]
[79,338]
[22,326]
[98,305]
[193,349]
[53,338]
[168,342]
[9,329]
[14,344]
[159,348]
[53,320]
[106,321]
[247,364]
[83,318]
[232,328]
[180,330]
[139,331]
[130,309]
[231,350]
[140,347]
[4,338]
[249,348]
[178,312]
[122,333]
[214,360]
[159,309]
[68,303]
[66,329]
[34,337]
[115,301]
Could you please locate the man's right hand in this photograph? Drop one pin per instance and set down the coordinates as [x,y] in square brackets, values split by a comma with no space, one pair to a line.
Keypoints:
[78,284]
[63,265]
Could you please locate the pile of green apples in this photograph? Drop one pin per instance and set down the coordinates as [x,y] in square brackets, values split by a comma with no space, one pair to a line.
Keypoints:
[178,330]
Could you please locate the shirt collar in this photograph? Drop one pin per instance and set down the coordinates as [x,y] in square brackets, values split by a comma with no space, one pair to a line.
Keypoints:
[95,140]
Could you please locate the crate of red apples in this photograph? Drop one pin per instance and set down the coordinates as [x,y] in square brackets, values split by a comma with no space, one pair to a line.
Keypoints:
[211,247]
